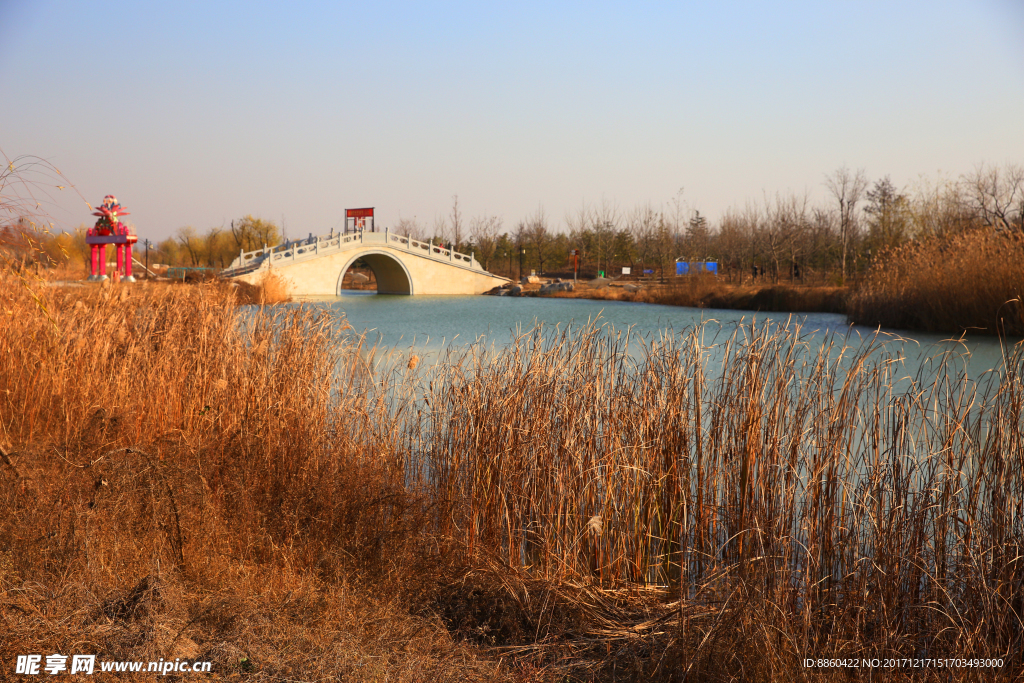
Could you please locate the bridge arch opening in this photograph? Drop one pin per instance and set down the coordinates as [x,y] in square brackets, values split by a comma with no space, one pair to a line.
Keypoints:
[391,275]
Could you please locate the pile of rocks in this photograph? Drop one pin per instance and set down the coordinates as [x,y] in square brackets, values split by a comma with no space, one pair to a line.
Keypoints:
[549,287]
[556,286]
[506,290]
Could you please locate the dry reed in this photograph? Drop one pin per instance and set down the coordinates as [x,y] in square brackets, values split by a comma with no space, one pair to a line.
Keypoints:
[828,504]
[180,481]
[969,282]
[269,289]
[263,491]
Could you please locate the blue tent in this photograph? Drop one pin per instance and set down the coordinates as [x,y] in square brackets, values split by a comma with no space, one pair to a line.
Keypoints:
[687,267]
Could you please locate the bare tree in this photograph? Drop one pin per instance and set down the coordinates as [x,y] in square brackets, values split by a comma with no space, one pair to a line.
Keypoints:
[733,242]
[822,237]
[410,227]
[213,247]
[624,247]
[698,235]
[579,226]
[440,229]
[888,215]
[941,207]
[642,222]
[604,224]
[537,237]
[752,221]
[192,243]
[677,220]
[997,195]
[846,187]
[521,236]
[666,243]
[484,231]
[456,222]
[784,225]
[504,252]
[252,233]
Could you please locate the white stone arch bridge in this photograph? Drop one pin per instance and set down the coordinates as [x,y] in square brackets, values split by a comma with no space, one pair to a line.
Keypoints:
[401,265]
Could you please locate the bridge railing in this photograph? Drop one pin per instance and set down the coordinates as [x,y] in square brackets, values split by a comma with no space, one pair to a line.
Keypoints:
[313,247]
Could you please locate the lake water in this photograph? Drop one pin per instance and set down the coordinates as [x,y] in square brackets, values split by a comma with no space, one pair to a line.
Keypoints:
[612,472]
[429,324]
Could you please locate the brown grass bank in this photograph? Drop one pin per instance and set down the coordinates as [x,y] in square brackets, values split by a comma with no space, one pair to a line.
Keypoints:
[971,282]
[707,292]
[172,485]
[267,494]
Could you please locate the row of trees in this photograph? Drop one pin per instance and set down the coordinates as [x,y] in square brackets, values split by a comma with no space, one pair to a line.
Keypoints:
[26,242]
[782,236]
[218,247]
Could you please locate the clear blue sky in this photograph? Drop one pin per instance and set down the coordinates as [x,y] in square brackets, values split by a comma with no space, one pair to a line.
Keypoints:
[195,113]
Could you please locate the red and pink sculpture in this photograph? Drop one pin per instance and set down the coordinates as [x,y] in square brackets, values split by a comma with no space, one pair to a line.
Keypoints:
[110,230]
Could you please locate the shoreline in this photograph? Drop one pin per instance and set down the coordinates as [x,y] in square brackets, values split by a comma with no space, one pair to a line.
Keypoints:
[779,297]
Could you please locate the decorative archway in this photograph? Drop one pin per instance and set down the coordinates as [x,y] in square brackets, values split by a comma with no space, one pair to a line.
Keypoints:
[392,275]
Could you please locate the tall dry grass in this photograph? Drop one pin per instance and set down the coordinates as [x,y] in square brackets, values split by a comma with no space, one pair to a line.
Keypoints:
[824,502]
[971,281]
[269,289]
[178,480]
[263,491]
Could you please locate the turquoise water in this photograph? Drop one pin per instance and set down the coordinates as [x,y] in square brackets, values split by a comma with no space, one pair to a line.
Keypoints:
[911,388]
[429,324]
